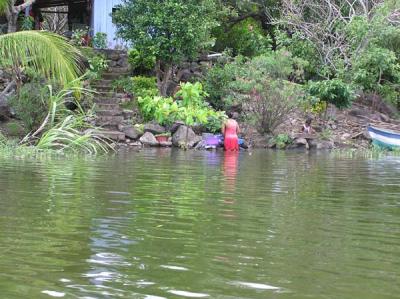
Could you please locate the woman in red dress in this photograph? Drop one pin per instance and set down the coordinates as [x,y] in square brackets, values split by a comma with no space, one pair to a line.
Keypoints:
[230,130]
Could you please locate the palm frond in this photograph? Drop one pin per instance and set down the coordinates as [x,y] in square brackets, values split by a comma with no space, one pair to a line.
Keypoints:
[48,53]
[3,6]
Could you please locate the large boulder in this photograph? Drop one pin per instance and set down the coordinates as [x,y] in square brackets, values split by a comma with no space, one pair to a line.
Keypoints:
[185,137]
[325,145]
[149,139]
[132,132]
[154,128]
[301,142]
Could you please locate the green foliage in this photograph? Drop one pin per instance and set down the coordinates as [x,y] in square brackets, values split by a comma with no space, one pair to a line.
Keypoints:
[47,53]
[333,91]
[282,140]
[97,65]
[31,103]
[100,40]
[122,84]
[326,134]
[191,94]
[64,128]
[221,79]
[27,23]
[190,108]
[171,30]
[78,37]
[217,82]
[144,86]
[243,38]
[140,61]
[301,48]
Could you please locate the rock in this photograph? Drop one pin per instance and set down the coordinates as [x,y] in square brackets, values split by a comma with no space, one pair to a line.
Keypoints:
[359,112]
[198,129]
[325,145]
[175,126]
[131,132]
[166,144]
[384,117]
[345,136]
[128,114]
[301,142]
[366,135]
[148,139]
[185,137]
[136,143]
[154,128]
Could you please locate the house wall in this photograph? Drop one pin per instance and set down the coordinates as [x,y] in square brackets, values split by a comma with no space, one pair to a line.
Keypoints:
[102,21]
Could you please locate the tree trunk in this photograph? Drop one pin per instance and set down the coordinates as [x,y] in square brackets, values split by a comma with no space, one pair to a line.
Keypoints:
[12,19]
[164,73]
[13,11]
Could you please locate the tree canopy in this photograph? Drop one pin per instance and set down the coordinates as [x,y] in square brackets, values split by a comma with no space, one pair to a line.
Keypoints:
[171,30]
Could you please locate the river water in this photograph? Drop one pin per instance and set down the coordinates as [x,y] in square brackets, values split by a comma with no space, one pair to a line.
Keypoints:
[172,224]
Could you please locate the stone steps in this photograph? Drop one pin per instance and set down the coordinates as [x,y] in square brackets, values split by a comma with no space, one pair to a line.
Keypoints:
[118,70]
[109,115]
[109,120]
[109,112]
[113,76]
[106,106]
[111,134]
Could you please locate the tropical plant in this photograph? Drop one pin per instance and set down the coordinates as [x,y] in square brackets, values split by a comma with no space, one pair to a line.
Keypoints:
[169,30]
[333,91]
[30,104]
[97,65]
[282,140]
[27,23]
[140,61]
[63,129]
[189,110]
[64,136]
[79,37]
[47,53]
[100,40]
[244,38]
[122,84]
[144,86]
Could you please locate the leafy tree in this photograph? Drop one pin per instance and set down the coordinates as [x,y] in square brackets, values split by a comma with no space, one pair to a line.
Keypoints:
[171,30]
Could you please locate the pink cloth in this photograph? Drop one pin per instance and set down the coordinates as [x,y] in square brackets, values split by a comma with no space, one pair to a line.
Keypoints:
[231,142]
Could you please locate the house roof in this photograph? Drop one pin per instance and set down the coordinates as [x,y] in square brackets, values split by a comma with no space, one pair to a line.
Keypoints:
[52,3]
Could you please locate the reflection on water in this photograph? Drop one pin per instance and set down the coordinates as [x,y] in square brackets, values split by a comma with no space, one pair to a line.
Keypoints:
[173,224]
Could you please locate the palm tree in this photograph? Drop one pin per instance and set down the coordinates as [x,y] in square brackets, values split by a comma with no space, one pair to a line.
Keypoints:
[47,53]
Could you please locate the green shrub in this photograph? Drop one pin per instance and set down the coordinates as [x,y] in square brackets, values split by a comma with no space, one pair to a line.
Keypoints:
[220,80]
[122,84]
[217,81]
[144,86]
[244,38]
[14,129]
[97,65]
[100,40]
[333,91]
[189,108]
[282,140]
[141,62]
[31,104]
[78,37]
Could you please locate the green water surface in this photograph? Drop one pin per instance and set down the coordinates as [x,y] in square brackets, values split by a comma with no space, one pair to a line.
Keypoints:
[172,224]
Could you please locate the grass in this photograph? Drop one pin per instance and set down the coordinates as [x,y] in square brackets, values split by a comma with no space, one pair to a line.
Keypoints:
[373,152]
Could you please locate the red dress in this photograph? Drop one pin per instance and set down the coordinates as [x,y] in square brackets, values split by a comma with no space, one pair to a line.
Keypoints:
[231,142]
